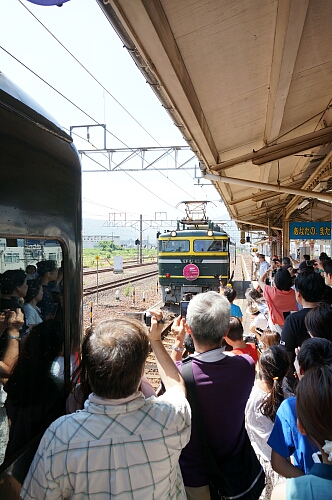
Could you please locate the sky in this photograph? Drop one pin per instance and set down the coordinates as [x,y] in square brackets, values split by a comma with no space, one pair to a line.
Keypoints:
[82,28]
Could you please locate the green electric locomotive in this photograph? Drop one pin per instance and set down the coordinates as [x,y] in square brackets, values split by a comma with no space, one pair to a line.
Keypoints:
[193,261]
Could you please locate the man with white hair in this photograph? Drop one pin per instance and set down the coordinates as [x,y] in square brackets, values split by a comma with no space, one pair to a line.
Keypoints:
[223,385]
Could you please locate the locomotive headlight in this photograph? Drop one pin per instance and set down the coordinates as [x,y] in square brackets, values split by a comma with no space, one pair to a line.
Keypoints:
[210,232]
[173,234]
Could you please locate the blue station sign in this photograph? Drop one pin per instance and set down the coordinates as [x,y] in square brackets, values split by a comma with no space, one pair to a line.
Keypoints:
[310,230]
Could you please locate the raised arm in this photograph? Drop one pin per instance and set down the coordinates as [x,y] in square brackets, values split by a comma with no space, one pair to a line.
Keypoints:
[262,280]
[179,332]
[168,372]
[295,262]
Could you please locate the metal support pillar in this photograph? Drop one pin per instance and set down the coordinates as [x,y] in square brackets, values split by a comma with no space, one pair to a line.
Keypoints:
[285,238]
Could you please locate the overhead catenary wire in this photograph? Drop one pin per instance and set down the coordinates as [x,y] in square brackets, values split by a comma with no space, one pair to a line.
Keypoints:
[94,78]
[112,208]
[91,201]
[95,121]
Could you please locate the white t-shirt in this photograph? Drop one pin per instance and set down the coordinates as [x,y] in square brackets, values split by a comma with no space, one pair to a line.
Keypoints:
[258,426]
[259,321]
[264,266]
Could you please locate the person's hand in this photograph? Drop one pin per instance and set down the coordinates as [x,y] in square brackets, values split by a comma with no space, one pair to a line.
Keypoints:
[15,319]
[155,328]
[178,329]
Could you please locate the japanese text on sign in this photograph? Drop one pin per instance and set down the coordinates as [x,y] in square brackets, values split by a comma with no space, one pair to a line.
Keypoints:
[310,230]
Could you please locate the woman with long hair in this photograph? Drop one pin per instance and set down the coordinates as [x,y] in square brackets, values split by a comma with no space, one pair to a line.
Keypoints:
[264,401]
[314,419]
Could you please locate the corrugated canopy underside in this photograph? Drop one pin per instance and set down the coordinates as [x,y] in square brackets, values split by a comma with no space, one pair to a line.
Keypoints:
[238,76]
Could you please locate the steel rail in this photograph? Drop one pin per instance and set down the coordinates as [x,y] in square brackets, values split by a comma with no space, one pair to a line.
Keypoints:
[109,269]
[116,284]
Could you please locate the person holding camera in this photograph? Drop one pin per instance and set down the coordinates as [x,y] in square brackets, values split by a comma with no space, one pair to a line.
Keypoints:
[13,288]
[121,445]
[10,322]
[280,298]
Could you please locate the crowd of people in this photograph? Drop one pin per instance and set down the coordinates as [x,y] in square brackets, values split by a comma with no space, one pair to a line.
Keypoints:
[31,344]
[232,419]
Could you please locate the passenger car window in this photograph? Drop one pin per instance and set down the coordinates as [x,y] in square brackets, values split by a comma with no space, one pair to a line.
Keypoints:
[32,387]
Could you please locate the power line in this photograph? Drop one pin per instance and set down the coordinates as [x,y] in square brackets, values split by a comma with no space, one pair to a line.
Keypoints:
[92,76]
[95,121]
[89,72]
[111,208]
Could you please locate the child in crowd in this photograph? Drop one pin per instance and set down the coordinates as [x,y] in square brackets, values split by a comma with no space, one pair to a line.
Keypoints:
[234,338]
[257,307]
[31,271]
[314,412]
[230,295]
[265,398]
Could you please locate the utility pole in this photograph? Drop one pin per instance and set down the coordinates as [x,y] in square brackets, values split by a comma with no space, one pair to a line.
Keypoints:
[140,238]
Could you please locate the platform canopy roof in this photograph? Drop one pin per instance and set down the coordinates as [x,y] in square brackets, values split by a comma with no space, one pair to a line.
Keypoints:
[249,84]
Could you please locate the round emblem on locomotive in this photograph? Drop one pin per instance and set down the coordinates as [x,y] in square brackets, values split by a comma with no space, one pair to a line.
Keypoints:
[191,272]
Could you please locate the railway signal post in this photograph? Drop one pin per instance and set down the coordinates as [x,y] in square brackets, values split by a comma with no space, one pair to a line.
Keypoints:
[97,269]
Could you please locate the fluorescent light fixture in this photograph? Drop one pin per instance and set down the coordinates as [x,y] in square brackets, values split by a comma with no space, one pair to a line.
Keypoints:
[321,186]
[303,204]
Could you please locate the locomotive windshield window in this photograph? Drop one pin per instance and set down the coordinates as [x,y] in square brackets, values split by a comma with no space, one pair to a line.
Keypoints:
[210,246]
[32,386]
[174,246]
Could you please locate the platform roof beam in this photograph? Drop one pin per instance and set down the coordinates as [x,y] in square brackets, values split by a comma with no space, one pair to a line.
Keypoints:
[290,22]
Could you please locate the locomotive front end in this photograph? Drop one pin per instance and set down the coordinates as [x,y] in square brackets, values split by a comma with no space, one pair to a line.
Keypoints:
[191,262]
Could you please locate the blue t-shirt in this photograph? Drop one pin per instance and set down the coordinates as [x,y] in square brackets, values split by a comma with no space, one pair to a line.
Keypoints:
[314,486]
[236,311]
[286,439]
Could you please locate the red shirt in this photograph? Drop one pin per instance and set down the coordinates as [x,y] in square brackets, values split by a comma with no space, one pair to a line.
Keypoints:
[251,350]
[278,302]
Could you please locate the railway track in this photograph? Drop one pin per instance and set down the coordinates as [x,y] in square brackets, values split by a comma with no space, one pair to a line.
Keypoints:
[115,284]
[151,370]
[109,269]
